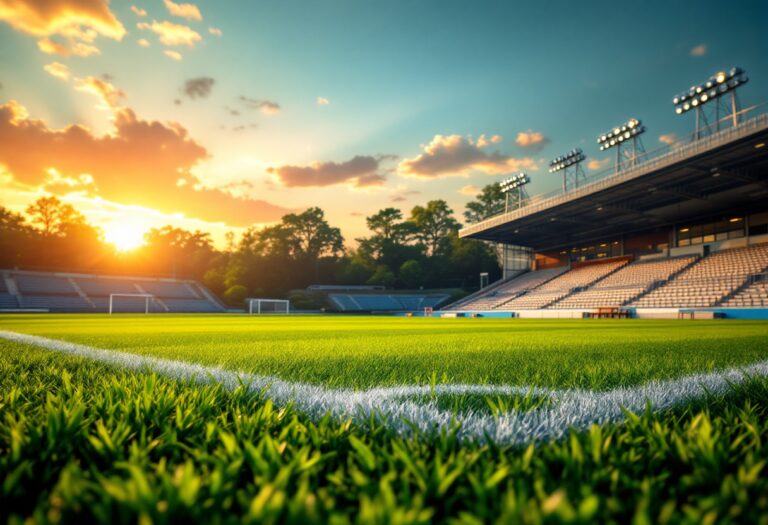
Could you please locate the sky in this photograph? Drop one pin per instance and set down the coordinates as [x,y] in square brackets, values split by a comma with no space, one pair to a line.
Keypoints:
[219,115]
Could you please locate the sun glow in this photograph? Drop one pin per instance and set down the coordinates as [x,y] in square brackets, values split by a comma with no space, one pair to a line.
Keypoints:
[125,237]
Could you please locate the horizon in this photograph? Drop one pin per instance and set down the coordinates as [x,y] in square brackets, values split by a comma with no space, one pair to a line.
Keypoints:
[217,117]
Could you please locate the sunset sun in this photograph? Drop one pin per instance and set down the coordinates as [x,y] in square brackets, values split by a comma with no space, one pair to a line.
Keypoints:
[124,237]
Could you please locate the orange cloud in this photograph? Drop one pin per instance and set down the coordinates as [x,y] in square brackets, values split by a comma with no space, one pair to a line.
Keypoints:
[109,95]
[530,139]
[595,164]
[361,170]
[322,101]
[454,155]
[58,70]
[138,11]
[470,190]
[669,138]
[78,22]
[187,11]
[143,42]
[138,163]
[699,51]
[72,48]
[171,34]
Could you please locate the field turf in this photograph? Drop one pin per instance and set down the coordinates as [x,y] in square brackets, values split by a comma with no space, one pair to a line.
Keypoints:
[84,441]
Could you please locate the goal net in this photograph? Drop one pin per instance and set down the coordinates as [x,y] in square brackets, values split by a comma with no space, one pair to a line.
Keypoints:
[131,303]
[257,305]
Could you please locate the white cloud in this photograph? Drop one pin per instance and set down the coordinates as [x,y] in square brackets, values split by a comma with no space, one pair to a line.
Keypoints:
[173,55]
[186,11]
[58,70]
[322,101]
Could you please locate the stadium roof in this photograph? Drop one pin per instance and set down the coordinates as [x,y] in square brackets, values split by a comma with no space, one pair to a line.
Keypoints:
[724,172]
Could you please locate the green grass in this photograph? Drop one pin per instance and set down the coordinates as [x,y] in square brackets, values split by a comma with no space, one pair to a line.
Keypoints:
[374,351]
[84,442]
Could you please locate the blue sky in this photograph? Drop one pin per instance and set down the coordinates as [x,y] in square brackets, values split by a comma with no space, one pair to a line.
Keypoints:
[394,77]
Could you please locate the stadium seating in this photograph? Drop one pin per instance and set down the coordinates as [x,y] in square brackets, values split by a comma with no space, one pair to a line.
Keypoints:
[709,281]
[90,293]
[752,295]
[44,284]
[627,283]
[498,295]
[361,302]
[564,284]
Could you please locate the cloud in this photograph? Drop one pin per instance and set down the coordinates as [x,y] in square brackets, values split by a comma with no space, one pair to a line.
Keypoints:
[77,22]
[533,140]
[173,55]
[454,155]
[215,31]
[483,142]
[72,48]
[138,163]
[138,11]
[322,101]
[198,87]
[699,51]
[267,107]
[143,42]
[171,34]
[669,138]
[597,164]
[469,190]
[108,94]
[361,171]
[187,11]
[403,193]
[58,70]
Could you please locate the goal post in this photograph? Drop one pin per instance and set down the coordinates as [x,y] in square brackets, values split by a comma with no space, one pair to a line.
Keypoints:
[258,305]
[147,298]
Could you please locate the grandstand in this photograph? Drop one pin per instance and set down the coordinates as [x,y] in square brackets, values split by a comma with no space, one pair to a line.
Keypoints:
[677,228]
[385,302]
[69,292]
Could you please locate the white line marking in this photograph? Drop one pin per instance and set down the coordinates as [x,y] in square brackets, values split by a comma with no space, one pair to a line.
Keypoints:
[578,409]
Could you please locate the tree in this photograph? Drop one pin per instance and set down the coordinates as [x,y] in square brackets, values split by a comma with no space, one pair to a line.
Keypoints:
[433,223]
[411,274]
[236,295]
[178,251]
[311,236]
[490,201]
[383,277]
[53,216]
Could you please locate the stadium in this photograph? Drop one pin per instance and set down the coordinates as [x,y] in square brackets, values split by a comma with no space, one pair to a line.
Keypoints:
[186,337]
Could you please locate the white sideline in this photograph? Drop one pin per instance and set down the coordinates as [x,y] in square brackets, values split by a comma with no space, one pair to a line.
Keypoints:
[577,409]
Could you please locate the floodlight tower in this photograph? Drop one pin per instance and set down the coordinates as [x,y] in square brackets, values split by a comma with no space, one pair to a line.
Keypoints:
[626,140]
[570,165]
[714,89]
[508,185]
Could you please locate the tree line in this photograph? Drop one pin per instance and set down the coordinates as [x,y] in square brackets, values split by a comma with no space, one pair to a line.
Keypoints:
[419,250]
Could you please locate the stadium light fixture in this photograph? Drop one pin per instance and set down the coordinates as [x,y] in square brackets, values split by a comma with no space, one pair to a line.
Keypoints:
[509,185]
[718,85]
[570,165]
[617,137]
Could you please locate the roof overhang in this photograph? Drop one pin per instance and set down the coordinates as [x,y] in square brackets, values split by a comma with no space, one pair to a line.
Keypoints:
[721,173]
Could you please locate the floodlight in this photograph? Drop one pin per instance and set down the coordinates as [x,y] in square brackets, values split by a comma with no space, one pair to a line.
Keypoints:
[515,181]
[619,134]
[717,85]
[564,161]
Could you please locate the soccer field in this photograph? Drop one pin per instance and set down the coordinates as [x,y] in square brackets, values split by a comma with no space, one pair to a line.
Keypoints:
[383,419]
